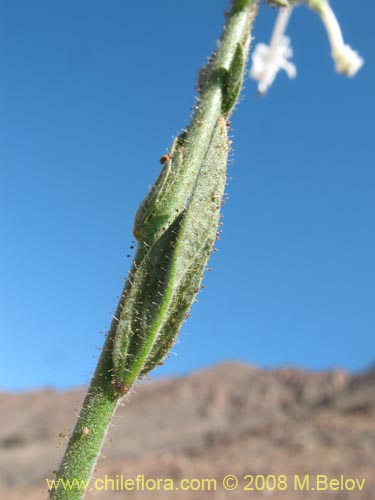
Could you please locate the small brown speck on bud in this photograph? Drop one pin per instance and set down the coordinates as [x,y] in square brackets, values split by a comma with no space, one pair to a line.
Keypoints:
[119,387]
[165,158]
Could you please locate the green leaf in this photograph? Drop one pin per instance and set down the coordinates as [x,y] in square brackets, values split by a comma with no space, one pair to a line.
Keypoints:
[234,79]
[239,5]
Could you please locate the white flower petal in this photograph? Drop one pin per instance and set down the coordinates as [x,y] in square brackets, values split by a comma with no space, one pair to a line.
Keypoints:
[268,60]
[289,68]
[348,61]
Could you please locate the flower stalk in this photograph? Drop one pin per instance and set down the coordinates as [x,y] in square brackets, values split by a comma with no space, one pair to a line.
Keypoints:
[175,228]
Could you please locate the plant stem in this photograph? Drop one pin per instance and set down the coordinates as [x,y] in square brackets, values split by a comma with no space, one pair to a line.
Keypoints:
[124,357]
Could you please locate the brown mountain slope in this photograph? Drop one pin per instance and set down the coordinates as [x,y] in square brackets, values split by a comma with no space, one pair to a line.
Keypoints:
[230,419]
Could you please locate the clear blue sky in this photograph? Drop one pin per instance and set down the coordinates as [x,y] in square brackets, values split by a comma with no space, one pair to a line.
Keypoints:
[91,94]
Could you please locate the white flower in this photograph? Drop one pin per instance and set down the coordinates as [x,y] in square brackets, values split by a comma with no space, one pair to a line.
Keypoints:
[268,60]
[347,60]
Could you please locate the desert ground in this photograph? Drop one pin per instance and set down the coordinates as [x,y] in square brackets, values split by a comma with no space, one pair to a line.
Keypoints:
[229,419]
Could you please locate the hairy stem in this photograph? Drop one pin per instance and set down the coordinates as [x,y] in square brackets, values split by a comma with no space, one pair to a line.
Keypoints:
[175,227]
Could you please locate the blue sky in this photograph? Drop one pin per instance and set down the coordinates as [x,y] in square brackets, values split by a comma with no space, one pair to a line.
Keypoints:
[91,94]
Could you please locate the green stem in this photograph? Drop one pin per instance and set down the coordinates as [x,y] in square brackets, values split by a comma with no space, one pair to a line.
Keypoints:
[126,356]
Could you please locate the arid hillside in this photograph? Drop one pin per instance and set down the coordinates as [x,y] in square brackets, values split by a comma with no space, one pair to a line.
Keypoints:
[229,419]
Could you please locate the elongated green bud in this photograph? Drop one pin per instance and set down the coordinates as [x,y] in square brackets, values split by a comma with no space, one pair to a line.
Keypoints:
[177,222]
[169,276]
